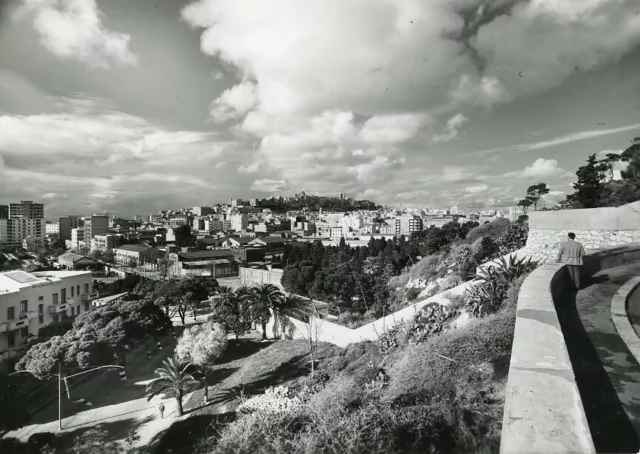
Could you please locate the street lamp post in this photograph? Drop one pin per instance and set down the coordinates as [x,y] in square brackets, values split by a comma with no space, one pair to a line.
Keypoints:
[59,375]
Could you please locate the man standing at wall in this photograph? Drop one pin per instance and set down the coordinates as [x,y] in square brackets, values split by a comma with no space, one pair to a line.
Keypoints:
[571,253]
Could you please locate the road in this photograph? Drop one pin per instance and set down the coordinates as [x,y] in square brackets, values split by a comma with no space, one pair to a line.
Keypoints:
[117,404]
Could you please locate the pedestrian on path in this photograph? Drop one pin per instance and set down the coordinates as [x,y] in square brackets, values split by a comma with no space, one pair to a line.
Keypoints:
[571,253]
[161,408]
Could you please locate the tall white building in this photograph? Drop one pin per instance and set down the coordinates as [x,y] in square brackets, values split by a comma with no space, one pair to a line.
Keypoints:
[29,301]
[239,222]
[77,238]
[22,220]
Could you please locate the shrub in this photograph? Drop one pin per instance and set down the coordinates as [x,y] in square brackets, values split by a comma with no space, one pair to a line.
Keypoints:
[426,268]
[494,282]
[352,319]
[399,281]
[432,319]
[412,293]
[42,440]
[278,399]
[513,238]
[493,229]
[441,363]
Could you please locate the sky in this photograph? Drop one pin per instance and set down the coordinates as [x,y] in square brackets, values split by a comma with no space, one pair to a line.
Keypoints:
[131,107]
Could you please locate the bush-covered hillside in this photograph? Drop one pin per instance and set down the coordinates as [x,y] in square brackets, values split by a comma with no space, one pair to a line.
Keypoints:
[452,266]
[428,386]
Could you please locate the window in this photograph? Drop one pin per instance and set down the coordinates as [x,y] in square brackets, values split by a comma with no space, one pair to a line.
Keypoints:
[78,310]
[63,295]
[73,310]
[24,332]
[11,313]
[78,290]
[72,291]
[86,306]
[41,298]
[55,298]
[11,339]
[24,306]
[86,288]
[55,318]
[41,313]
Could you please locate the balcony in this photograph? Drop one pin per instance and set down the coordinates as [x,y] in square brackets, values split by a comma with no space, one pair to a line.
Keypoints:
[58,308]
[23,321]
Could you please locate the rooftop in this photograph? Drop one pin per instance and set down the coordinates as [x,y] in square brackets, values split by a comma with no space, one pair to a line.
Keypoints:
[13,281]
[141,247]
[205,254]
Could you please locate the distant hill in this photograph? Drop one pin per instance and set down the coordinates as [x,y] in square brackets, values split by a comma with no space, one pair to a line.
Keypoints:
[314,202]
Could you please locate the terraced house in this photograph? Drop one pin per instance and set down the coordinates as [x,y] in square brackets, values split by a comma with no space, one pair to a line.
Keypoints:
[29,301]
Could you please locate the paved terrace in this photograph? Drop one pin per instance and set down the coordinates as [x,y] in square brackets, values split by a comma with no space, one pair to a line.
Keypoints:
[574,383]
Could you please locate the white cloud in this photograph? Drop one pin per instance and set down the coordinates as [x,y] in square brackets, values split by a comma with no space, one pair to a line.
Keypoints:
[403,51]
[266,185]
[452,129]
[103,157]
[391,128]
[73,30]
[478,189]
[234,102]
[540,169]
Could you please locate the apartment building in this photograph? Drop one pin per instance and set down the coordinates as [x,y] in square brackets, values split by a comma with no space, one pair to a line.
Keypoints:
[77,238]
[29,301]
[177,221]
[95,225]
[52,228]
[203,211]
[26,209]
[129,253]
[66,224]
[406,225]
[239,222]
[105,243]
[19,221]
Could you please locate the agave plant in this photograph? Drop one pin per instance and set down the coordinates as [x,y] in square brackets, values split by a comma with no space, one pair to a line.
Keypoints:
[494,281]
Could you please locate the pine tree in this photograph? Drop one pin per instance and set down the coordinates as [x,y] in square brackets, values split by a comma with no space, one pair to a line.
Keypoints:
[590,185]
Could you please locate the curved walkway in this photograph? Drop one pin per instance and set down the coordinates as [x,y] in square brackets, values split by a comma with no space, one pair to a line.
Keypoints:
[607,374]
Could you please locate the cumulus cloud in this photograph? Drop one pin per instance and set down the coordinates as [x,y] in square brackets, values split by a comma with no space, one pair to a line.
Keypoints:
[452,129]
[73,30]
[266,185]
[330,119]
[234,102]
[540,169]
[98,155]
[403,51]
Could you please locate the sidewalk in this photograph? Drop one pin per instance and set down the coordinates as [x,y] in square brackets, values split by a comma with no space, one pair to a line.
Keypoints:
[608,376]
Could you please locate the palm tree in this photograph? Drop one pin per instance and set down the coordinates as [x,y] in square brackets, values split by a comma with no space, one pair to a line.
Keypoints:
[264,299]
[174,379]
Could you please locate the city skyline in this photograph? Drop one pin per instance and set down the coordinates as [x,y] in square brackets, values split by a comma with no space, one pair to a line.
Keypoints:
[129,108]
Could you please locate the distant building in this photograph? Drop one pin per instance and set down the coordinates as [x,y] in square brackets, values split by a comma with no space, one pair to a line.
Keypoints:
[177,221]
[66,224]
[406,225]
[203,263]
[77,238]
[239,222]
[203,211]
[95,225]
[125,254]
[21,220]
[52,228]
[73,261]
[105,243]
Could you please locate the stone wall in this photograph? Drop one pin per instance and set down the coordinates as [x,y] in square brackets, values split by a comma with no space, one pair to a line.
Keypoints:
[250,276]
[595,228]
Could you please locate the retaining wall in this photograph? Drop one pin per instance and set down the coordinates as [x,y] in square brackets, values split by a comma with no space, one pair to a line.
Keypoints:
[595,228]
[543,410]
[251,276]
